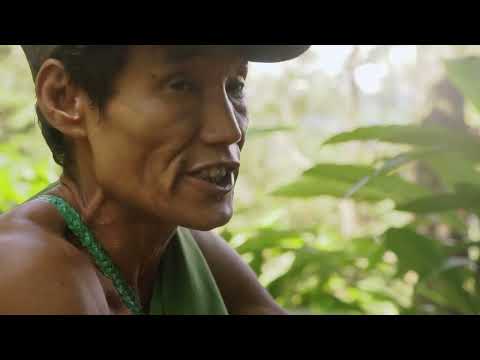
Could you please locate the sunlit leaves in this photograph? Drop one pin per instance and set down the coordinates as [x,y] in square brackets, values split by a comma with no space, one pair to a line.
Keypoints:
[339,180]
[430,137]
[465,74]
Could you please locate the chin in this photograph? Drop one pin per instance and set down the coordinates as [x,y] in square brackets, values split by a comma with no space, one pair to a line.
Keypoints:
[203,214]
[210,221]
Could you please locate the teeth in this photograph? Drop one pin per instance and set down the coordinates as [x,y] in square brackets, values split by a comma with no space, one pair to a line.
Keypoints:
[214,174]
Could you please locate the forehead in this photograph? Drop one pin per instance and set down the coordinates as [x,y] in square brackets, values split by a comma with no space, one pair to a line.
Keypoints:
[181,54]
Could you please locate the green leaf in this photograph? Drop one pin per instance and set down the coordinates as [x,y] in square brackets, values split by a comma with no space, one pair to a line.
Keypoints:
[311,188]
[338,180]
[257,132]
[415,252]
[447,283]
[397,134]
[324,303]
[441,279]
[466,197]
[465,74]
[436,204]
[310,262]
[270,238]
[417,135]
[453,168]
[391,165]
[348,173]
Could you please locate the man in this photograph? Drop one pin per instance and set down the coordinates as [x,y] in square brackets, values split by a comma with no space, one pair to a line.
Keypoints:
[149,138]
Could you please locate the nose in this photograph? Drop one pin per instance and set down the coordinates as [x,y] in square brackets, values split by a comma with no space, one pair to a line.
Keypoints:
[220,122]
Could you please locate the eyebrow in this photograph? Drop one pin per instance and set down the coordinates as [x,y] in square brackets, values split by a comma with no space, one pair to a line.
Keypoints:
[178,54]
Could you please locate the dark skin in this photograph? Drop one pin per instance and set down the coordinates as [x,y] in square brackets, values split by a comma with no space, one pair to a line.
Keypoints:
[172,113]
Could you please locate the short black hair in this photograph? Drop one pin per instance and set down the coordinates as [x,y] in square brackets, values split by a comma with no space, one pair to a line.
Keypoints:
[93,68]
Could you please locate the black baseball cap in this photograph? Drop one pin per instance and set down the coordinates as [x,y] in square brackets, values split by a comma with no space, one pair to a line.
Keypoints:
[37,54]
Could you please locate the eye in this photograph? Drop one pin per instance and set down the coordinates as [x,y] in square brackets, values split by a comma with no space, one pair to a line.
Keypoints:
[236,89]
[182,84]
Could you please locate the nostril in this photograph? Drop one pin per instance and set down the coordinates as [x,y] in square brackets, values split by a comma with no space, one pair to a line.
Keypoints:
[222,124]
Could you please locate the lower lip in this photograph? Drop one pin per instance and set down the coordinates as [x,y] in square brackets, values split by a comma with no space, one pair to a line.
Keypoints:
[209,188]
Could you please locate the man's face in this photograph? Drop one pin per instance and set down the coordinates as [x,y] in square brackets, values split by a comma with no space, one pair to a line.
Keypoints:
[169,141]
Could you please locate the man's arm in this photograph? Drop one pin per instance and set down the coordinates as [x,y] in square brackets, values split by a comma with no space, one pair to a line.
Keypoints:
[242,292]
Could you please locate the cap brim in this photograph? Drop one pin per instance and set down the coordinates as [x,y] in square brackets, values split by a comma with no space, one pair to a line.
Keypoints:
[273,53]
[37,54]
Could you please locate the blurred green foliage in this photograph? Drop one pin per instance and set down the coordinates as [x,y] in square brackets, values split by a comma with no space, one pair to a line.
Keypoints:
[349,202]
[422,259]
[25,164]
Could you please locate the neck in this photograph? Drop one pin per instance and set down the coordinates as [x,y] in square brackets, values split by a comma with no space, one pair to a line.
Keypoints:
[134,241]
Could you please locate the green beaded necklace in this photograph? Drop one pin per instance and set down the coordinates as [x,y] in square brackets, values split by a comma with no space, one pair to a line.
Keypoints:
[102,259]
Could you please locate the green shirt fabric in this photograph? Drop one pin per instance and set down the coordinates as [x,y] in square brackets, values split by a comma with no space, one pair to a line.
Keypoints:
[185,285]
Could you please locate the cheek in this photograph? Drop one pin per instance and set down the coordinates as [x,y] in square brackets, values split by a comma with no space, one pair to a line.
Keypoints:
[114,161]
[143,150]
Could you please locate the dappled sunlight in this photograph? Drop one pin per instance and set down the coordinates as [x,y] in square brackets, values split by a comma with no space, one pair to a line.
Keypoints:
[403,55]
[369,77]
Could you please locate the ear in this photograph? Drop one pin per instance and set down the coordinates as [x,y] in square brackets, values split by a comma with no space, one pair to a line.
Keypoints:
[61,102]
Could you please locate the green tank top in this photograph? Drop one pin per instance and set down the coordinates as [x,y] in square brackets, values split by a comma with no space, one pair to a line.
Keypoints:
[184,285]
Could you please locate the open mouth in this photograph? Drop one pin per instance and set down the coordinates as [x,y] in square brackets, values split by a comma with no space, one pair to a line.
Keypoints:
[218,176]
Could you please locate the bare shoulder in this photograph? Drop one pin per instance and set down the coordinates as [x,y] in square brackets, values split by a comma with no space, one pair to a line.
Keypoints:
[40,273]
[240,288]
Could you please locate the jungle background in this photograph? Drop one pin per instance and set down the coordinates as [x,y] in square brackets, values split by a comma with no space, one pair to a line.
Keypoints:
[359,192]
